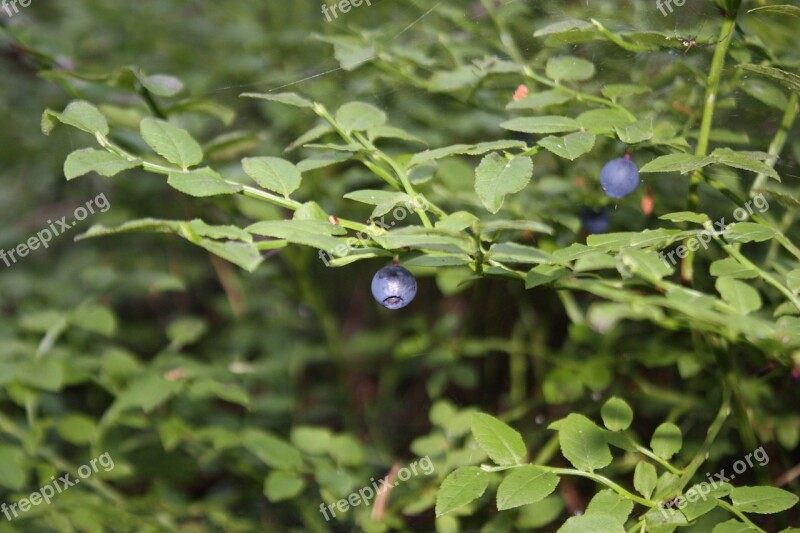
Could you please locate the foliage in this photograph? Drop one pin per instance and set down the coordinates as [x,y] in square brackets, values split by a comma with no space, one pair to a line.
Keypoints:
[243,399]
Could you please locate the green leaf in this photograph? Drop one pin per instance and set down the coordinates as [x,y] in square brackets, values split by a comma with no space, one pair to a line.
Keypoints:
[788,79]
[563,26]
[544,124]
[312,439]
[146,393]
[291,99]
[201,229]
[595,523]
[731,268]
[322,160]
[501,442]
[582,442]
[76,429]
[241,254]
[749,232]
[78,114]
[358,116]
[13,473]
[646,263]
[742,297]
[762,500]
[525,485]
[280,486]
[171,142]
[390,132]
[272,450]
[569,146]
[667,440]
[311,135]
[453,80]
[541,274]
[87,160]
[314,233]
[745,160]
[144,224]
[639,131]
[461,487]
[456,221]
[161,84]
[497,176]
[569,68]
[644,478]
[683,163]
[425,239]
[793,280]
[765,92]
[511,252]
[686,216]
[609,503]
[186,330]
[515,225]
[201,183]
[617,414]
[351,54]
[96,318]
[384,201]
[45,374]
[783,9]
[346,450]
[273,173]
[603,121]
[622,90]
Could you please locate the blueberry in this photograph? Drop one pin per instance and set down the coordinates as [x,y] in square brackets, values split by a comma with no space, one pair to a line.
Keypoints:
[394,287]
[619,177]
[595,220]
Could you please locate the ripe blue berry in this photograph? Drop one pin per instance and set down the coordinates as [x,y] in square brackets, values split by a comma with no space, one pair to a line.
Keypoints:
[394,287]
[619,177]
[595,220]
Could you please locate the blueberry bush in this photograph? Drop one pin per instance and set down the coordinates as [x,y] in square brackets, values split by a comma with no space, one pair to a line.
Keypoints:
[547,247]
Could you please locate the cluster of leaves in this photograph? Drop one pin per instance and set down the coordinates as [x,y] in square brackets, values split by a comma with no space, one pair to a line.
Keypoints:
[494,186]
[586,446]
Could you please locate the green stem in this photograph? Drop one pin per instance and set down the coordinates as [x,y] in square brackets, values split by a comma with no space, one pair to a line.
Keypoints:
[766,276]
[572,472]
[377,157]
[711,435]
[602,480]
[779,141]
[571,307]
[659,460]
[712,90]
[246,190]
[730,508]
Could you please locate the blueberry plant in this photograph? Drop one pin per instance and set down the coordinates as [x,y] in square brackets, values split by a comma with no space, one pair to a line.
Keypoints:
[632,197]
